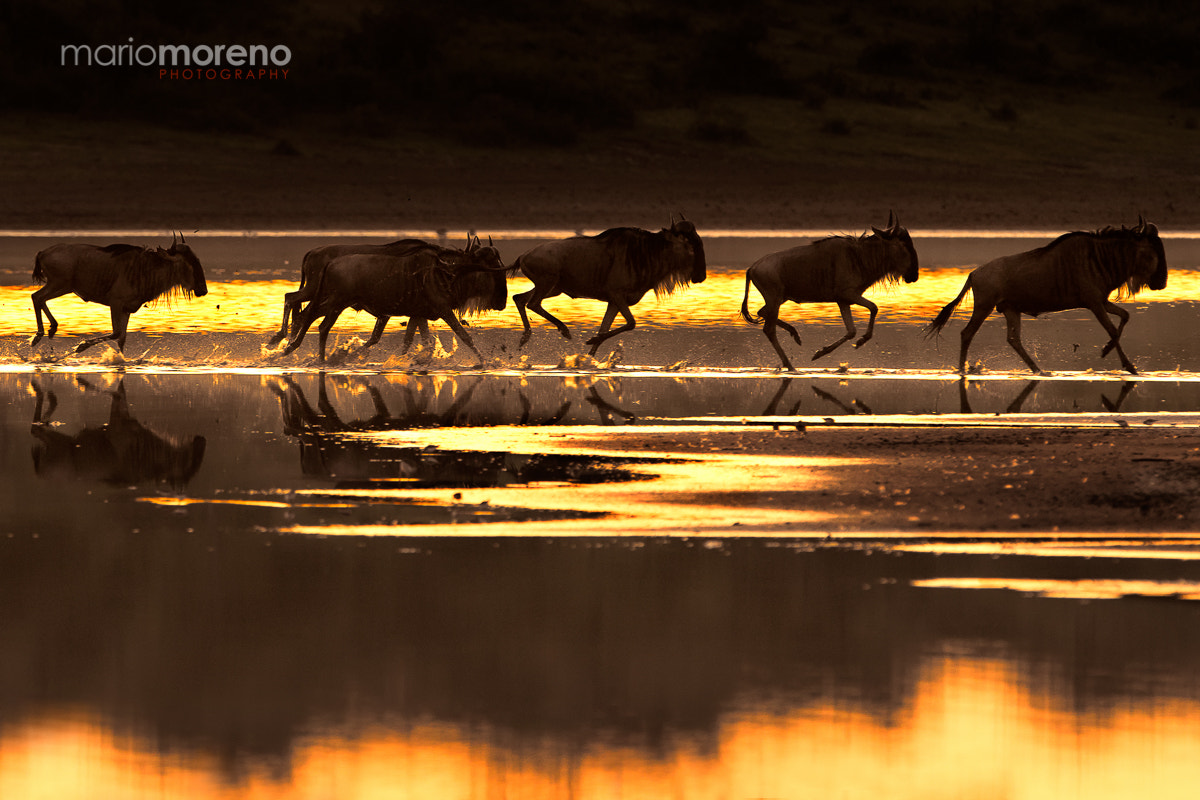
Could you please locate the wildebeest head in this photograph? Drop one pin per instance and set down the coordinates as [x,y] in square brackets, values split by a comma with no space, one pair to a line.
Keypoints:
[896,236]
[1150,267]
[482,279]
[685,232]
[181,249]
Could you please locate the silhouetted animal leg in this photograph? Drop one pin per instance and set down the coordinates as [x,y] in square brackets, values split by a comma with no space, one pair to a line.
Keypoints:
[376,332]
[461,333]
[1120,314]
[599,338]
[120,322]
[290,302]
[772,312]
[40,297]
[307,318]
[978,316]
[769,332]
[874,309]
[610,313]
[795,333]
[848,319]
[533,300]
[415,324]
[1013,317]
[770,316]
[327,325]
[1114,335]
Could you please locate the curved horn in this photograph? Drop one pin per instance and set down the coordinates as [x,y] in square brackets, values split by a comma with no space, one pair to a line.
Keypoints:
[174,237]
[182,238]
[1141,226]
[490,241]
[893,223]
[671,223]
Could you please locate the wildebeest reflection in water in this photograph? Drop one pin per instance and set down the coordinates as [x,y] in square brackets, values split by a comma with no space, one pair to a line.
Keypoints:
[121,452]
[772,410]
[1018,403]
[333,448]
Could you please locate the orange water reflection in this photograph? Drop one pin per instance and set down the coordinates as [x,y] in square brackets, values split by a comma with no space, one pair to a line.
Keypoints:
[975,727]
[257,306]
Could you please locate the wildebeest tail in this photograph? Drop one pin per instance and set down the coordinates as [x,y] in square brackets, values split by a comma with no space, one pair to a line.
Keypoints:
[39,274]
[745,305]
[934,328]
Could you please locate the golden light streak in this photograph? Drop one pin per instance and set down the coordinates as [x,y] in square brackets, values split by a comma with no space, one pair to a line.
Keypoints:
[1084,589]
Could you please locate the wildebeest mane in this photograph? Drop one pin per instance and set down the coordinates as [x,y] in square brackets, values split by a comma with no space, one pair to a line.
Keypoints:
[442,275]
[158,277]
[121,248]
[643,253]
[864,259]
[1110,250]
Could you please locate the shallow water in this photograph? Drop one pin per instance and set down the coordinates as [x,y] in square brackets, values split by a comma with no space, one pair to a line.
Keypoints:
[226,575]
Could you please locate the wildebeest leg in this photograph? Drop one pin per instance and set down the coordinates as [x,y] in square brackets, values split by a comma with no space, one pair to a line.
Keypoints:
[978,316]
[291,306]
[770,316]
[609,315]
[376,332]
[533,299]
[1114,334]
[795,333]
[769,332]
[848,320]
[120,322]
[47,292]
[326,325]
[1120,314]
[307,318]
[1013,318]
[461,333]
[874,309]
[415,324]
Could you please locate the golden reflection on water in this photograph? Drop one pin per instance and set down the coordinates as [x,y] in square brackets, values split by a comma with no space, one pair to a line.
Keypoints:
[257,307]
[974,727]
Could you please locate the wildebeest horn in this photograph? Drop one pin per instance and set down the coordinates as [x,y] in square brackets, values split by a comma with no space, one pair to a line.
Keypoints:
[490,241]
[174,238]
[1141,226]
[182,238]
[893,223]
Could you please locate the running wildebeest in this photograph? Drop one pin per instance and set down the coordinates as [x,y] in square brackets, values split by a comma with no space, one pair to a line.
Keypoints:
[1077,270]
[316,259]
[423,285]
[123,277]
[837,269]
[617,266]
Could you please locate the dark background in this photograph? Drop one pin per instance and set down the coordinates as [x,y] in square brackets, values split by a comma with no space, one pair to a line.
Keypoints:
[759,113]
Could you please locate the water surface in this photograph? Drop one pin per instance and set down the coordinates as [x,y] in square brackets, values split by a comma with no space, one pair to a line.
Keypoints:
[224,574]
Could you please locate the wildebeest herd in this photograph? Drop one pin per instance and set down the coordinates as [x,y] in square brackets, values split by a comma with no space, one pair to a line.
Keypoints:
[424,281]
